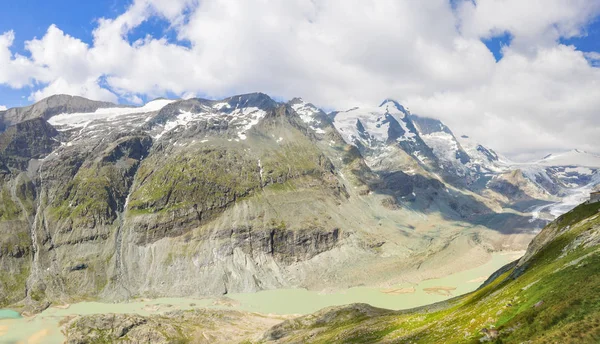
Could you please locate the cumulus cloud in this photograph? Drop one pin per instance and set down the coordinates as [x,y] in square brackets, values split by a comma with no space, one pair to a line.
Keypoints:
[2,107]
[88,88]
[541,96]
[533,23]
[15,70]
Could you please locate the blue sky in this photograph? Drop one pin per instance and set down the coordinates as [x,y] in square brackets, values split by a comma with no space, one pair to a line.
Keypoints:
[481,66]
[31,18]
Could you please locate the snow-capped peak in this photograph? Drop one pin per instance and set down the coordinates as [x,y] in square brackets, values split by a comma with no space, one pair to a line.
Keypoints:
[306,111]
[482,156]
[371,125]
[575,157]
[394,108]
[308,114]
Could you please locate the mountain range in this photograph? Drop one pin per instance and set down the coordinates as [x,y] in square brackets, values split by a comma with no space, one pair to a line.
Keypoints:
[207,197]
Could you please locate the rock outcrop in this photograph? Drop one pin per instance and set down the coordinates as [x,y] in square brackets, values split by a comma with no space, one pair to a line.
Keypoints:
[195,326]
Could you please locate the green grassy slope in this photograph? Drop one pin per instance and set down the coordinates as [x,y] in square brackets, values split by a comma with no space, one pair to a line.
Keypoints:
[550,296]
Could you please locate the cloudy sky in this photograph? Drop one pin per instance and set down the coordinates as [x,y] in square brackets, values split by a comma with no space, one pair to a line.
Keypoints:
[522,77]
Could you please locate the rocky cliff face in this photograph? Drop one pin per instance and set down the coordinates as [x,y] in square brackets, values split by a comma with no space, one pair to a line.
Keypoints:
[204,197]
[153,210]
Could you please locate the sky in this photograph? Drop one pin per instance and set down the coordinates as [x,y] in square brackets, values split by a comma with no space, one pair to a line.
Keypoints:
[522,77]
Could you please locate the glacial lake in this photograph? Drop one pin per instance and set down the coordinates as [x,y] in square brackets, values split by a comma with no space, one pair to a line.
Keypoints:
[44,327]
[9,314]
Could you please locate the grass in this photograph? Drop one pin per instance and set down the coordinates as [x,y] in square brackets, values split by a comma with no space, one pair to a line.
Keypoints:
[9,210]
[91,194]
[12,286]
[554,300]
[207,179]
[213,178]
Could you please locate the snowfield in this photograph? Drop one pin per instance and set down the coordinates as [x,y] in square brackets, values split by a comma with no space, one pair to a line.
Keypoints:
[574,157]
[78,120]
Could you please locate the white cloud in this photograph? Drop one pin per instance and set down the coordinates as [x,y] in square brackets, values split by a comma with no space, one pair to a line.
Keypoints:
[15,70]
[533,23]
[86,88]
[134,99]
[541,96]
[530,104]
[2,107]
[593,57]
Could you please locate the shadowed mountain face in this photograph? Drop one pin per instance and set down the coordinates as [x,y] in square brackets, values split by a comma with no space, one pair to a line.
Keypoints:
[31,139]
[204,197]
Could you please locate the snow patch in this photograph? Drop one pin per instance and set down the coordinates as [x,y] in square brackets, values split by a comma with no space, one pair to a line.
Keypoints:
[307,114]
[220,106]
[183,118]
[317,130]
[248,117]
[443,144]
[260,170]
[244,119]
[81,120]
[420,156]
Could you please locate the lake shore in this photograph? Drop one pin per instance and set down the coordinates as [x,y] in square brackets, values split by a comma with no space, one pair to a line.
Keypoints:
[46,326]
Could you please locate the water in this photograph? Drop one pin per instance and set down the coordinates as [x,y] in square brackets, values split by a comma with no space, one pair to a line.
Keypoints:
[9,314]
[301,301]
[45,328]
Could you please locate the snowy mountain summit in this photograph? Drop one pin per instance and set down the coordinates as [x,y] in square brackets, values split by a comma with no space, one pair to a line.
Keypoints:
[575,157]
[462,162]
[375,125]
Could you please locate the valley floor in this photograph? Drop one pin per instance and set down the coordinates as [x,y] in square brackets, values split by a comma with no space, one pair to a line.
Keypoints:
[252,313]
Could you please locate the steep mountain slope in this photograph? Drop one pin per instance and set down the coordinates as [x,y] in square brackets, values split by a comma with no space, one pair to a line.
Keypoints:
[202,197]
[548,296]
[112,196]
[478,168]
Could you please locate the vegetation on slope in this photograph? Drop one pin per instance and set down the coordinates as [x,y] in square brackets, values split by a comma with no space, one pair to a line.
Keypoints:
[551,297]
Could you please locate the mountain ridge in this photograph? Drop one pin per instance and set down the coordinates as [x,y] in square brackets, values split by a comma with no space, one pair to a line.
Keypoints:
[246,193]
